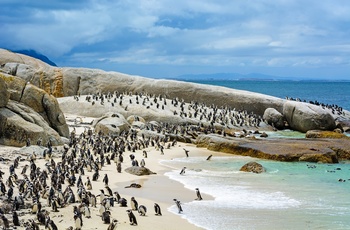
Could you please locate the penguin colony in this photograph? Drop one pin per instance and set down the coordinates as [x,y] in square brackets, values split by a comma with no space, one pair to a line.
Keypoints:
[64,181]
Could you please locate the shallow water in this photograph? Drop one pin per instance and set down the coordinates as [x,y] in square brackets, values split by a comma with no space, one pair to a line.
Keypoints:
[288,196]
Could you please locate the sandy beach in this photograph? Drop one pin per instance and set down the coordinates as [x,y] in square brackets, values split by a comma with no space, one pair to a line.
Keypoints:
[156,188]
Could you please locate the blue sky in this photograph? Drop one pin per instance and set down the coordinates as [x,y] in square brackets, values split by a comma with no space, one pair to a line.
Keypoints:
[163,38]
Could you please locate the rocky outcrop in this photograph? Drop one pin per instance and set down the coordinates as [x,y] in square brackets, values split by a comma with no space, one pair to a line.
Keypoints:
[304,117]
[73,81]
[18,123]
[325,134]
[4,94]
[310,150]
[111,124]
[273,117]
[29,113]
[139,171]
[253,167]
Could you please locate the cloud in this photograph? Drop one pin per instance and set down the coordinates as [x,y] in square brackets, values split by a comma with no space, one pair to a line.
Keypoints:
[279,33]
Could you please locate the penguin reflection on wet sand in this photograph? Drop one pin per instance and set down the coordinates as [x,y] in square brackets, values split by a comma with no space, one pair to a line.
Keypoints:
[132,217]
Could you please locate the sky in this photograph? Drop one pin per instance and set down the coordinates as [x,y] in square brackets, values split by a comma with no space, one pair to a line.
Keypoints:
[164,38]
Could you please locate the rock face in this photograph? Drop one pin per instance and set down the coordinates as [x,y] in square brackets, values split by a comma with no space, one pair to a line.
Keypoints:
[274,118]
[4,94]
[253,167]
[30,113]
[304,117]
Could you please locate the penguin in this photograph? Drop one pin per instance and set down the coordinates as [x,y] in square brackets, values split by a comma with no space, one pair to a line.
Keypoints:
[186,151]
[183,171]
[178,204]
[106,217]
[102,209]
[54,205]
[88,184]
[123,202]
[101,195]
[78,222]
[105,179]
[113,225]
[51,225]
[87,211]
[142,163]
[134,204]
[93,200]
[142,210]
[5,221]
[15,219]
[157,209]
[119,167]
[117,196]
[209,157]
[132,217]
[198,193]
[109,190]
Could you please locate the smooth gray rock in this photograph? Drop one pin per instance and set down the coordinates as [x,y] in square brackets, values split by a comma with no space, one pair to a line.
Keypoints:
[274,118]
[304,117]
[19,122]
[139,171]
[111,124]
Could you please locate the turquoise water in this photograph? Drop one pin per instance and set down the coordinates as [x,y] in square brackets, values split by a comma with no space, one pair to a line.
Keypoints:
[288,196]
[327,92]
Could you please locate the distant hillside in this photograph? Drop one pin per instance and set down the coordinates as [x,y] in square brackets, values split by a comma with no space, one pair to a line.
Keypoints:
[34,54]
[230,77]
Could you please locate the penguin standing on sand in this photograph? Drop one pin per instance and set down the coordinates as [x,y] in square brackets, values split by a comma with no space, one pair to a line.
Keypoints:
[106,217]
[186,152]
[198,193]
[113,225]
[178,204]
[132,217]
[105,179]
[142,210]
[134,204]
[157,209]
[15,219]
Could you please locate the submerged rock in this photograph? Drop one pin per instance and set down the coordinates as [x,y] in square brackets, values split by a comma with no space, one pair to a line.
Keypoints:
[253,167]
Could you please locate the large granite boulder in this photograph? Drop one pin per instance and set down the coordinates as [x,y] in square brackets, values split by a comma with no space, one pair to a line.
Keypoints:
[274,118]
[73,81]
[19,122]
[111,124]
[4,94]
[37,99]
[304,117]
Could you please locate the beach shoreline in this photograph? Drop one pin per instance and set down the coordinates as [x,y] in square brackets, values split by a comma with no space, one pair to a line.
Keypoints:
[156,188]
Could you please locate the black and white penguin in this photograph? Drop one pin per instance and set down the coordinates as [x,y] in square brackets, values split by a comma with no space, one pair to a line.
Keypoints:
[132,217]
[102,195]
[93,201]
[198,193]
[15,219]
[106,217]
[78,222]
[134,204]
[142,210]
[119,167]
[123,202]
[88,184]
[157,209]
[186,152]
[105,179]
[178,204]
[113,225]
[142,163]
[183,171]
[5,221]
